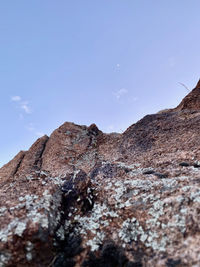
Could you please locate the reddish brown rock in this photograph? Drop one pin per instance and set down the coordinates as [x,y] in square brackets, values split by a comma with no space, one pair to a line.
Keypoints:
[10,169]
[32,160]
[85,198]
[192,100]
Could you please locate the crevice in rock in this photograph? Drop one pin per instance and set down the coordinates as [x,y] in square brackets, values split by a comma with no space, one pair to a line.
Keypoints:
[76,193]
[66,250]
[18,165]
[110,255]
[38,161]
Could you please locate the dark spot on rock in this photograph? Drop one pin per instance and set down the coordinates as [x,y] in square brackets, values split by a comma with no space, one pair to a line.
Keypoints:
[109,255]
[77,192]
[134,264]
[81,176]
[66,250]
[94,173]
[87,203]
[73,181]
[112,255]
[93,129]
[127,170]
[197,180]
[149,172]
[161,175]
[62,261]
[172,263]
[91,261]
[184,164]
[67,186]
[72,245]
[108,170]
[196,165]
[41,235]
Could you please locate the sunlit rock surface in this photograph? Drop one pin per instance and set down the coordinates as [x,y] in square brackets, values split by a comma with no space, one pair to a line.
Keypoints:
[84,198]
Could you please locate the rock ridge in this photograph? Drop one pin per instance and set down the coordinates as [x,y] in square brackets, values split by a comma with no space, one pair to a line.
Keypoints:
[192,100]
[81,197]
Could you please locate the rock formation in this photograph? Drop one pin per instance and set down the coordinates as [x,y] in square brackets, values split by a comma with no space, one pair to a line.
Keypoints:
[85,198]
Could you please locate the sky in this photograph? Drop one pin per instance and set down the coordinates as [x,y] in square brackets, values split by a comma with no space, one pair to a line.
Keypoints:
[108,62]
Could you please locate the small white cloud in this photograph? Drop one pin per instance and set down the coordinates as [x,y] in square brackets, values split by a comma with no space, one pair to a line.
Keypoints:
[25,107]
[16,98]
[120,93]
[117,67]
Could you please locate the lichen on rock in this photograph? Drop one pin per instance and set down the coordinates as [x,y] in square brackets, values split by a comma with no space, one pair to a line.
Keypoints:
[85,198]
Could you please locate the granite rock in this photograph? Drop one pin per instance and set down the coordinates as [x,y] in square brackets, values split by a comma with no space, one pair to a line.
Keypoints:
[85,198]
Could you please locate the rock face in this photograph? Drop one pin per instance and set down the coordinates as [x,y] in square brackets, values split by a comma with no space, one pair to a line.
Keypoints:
[84,198]
[192,100]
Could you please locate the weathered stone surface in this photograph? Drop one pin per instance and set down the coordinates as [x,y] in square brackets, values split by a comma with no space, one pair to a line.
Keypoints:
[192,100]
[10,169]
[85,198]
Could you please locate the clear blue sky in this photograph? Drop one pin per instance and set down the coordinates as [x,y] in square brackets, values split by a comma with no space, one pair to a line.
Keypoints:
[105,61]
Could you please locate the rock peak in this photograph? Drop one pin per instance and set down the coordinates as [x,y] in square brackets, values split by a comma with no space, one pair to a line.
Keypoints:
[198,84]
[192,100]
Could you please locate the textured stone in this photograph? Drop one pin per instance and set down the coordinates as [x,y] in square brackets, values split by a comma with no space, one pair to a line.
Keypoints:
[192,100]
[85,198]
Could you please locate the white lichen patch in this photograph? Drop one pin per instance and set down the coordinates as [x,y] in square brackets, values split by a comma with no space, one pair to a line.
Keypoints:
[92,223]
[43,211]
[8,231]
[21,226]
[4,259]
[60,233]
[96,241]
[195,196]
[130,167]
[161,198]
[2,210]
[29,248]
[138,210]
[29,256]
[130,231]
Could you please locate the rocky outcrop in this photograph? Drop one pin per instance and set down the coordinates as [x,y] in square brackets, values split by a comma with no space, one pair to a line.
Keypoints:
[84,198]
[11,168]
[192,100]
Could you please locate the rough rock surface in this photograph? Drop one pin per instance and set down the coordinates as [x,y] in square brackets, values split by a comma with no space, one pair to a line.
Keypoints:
[84,198]
[192,100]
